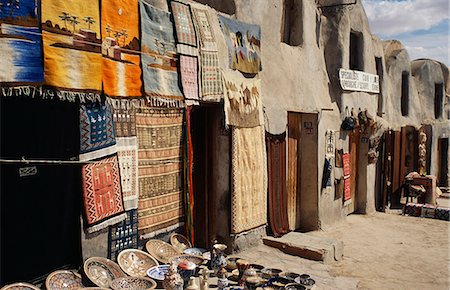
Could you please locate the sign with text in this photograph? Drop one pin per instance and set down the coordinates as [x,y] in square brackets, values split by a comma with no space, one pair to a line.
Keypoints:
[352,80]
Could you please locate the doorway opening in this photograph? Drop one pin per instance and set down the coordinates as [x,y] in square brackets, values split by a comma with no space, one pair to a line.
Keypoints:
[443,162]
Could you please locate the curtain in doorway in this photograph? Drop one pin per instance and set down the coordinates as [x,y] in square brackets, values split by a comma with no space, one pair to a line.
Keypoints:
[276,169]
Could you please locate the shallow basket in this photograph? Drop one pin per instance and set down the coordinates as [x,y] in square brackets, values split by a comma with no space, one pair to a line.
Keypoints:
[180,242]
[161,251]
[102,271]
[136,262]
[63,280]
[19,286]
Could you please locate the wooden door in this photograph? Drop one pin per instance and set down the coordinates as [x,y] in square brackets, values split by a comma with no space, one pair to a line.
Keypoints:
[394,196]
[353,151]
[294,168]
[443,162]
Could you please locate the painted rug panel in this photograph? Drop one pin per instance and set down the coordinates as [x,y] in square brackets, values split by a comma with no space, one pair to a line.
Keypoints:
[249,179]
[123,235]
[97,136]
[102,193]
[159,133]
[20,44]
[243,41]
[120,48]
[72,45]
[127,152]
[242,100]
[189,76]
[159,61]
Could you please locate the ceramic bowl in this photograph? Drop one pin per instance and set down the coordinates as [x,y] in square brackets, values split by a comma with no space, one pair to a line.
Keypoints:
[136,262]
[94,288]
[294,286]
[268,273]
[231,263]
[160,250]
[186,269]
[180,258]
[135,283]
[20,286]
[207,255]
[194,251]
[63,280]
[258,267]
[290,276]
[180,242]
[102,271]
[157,272]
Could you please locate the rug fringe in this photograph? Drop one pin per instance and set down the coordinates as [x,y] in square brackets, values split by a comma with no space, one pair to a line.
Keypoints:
[108,222]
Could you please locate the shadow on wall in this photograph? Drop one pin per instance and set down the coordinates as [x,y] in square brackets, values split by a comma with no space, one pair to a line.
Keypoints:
[225,6]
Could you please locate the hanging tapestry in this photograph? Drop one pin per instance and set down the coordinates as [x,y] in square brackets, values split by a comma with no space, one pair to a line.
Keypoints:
[20,42]
[243,41]
[189,76]
[347,173]
[97,138]
[159,57]
[210,74]
[103,204]
[127,152]
[276,170]
[121,48]
[124,116]
[123,235]
[242,100]
[72,45]
[159,133]
[184,27]
[249,179]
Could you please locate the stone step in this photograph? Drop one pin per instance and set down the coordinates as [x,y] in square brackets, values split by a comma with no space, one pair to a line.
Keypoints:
[307,246]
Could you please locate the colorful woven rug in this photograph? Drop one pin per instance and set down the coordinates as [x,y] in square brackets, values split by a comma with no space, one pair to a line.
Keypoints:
[20,44]
[72,45]
[127,152]
[210,76]
[184,27]
[189,76]
[124,117]
[103,204]
[159,133]
[243,41]
[249,179]
[97,137]
[202,22]
[123,235]
[276,169]
[242,101]
[121,48]
[159,62]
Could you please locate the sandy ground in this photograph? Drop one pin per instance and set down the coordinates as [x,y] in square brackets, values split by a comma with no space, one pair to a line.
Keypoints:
[381,251]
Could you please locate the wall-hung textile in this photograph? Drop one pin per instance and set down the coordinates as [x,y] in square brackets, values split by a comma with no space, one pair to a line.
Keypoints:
[326,175]
[121,48]
[124,117]
[72,45]
[184,27]
[103,203]
[276,169]
[127,152]
[210,73]
[189,76]
[249,179]
[20,44]
[123,235]
[97,137]
[159,57]
[347,172]
[160,133]
[242,100]
[243,41]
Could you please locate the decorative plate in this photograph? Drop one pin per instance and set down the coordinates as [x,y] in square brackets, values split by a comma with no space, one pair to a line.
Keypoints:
[158,272]
[160,250]
[191,258]
[135,283]
[207,255]
[270,273]
[94,288]
[20,286]
[63,280]
[102,271]
[180,242]
[194,251]
[136,262]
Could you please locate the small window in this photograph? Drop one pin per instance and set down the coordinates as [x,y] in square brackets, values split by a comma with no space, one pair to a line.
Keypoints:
[405,93]
[356,51]
[379,67]
[292,28]
[438,100]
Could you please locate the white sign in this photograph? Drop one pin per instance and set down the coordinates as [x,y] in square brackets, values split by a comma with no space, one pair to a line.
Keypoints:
[352,80]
